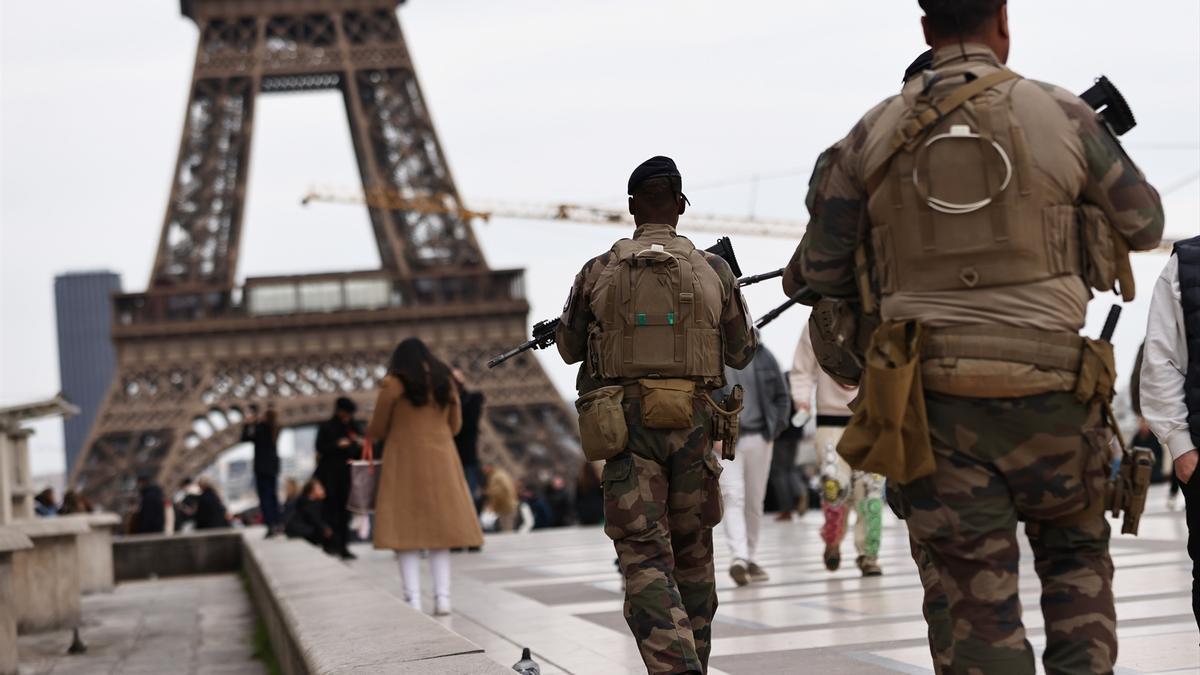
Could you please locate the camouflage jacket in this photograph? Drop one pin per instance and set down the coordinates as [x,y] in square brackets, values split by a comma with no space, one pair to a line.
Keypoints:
[577,317]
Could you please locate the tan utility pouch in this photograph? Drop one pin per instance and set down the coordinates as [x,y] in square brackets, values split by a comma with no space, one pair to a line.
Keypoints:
[602,427]
[667,404]
[889,431]
[1099,249]
[1097,372]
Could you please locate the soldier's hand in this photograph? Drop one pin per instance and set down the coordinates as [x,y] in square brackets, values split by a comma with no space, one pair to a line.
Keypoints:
[1185,465]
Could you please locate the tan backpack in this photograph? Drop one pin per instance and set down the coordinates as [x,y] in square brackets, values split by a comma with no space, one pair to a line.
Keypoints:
[658,309]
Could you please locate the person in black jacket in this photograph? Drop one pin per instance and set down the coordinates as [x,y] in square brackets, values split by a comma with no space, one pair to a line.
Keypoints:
[339,440]
[210,510]
[467,440]
[150,517]
[306,518]
[264,433]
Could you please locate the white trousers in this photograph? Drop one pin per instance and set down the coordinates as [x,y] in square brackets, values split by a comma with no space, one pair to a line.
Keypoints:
[410,574]
[744,487]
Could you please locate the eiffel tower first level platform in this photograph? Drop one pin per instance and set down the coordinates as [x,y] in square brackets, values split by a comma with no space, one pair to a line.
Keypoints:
[195,350]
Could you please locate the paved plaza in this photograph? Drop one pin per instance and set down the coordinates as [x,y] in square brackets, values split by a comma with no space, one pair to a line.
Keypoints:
[200,625]
[557,592]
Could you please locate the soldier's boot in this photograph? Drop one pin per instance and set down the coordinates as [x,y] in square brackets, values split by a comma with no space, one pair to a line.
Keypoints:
[869,566]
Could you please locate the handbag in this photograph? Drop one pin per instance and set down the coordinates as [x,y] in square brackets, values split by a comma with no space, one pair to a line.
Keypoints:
[364,481]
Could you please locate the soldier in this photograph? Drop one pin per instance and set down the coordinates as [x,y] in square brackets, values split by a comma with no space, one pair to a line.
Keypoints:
[979,206]
[655,320]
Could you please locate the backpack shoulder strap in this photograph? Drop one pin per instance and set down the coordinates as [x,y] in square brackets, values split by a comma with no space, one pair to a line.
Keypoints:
[911,132]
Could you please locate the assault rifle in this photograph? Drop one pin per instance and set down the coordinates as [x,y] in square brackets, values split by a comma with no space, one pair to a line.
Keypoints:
[543,331]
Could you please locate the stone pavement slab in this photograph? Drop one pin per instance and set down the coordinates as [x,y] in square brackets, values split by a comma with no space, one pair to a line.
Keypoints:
[556,591]
[188,625]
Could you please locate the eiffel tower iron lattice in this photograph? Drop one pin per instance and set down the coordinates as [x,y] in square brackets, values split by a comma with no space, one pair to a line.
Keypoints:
[195,350]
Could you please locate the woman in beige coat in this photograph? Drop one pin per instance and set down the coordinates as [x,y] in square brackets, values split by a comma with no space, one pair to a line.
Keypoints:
[423,501]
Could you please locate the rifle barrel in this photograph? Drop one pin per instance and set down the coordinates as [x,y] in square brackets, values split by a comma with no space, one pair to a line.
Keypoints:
[747,281]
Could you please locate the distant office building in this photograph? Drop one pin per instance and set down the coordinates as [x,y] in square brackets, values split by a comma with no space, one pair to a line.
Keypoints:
[86,360]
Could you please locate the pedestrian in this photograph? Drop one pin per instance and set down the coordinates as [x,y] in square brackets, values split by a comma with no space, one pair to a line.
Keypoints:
[186,501]
[423,502]
[264,434]
[467,440]
[210,509]
[764,417]
[1170,382]
[589,497]
[74,503]
[842,490]
[654,321]
[787,482]
[306,516]
[500,497]
[339,440]
[150,516]
[44,504]
[979,267]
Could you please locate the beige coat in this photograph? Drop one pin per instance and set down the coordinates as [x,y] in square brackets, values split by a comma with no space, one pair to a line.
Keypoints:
[423,501]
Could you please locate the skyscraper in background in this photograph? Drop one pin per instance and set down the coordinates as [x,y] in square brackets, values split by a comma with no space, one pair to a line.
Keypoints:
[86,360]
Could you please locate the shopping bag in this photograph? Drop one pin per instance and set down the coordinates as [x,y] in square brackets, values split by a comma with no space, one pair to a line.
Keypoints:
[364,481]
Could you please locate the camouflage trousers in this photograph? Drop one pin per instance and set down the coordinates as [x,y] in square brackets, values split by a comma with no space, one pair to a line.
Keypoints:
[1042,460]
[661,501]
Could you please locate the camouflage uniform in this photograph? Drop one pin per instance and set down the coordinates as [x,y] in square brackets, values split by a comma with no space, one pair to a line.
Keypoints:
[1036,455]
[661,496]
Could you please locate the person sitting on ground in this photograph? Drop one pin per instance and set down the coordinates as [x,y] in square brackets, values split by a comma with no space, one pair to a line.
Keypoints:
[44,503]
[306,515]
[210,510]
[74,503]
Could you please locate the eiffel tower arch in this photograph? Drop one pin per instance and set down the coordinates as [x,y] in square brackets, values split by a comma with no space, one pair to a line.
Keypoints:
[195,349]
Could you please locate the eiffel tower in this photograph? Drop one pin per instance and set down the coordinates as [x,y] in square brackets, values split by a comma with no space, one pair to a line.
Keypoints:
[195,350]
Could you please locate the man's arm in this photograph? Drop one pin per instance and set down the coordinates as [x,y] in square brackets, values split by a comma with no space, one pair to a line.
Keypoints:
[837,203]
[1114,183]
[736,326]
[1163,370]
[779,398]
[571,335]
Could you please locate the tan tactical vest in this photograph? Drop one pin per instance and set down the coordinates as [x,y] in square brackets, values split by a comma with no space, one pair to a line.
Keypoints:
[955,201]
[658,310]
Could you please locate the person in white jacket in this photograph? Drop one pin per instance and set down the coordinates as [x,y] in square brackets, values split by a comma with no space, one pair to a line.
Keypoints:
[841,488]
[1170,382]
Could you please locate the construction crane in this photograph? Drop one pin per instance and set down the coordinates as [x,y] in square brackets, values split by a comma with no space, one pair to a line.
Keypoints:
[572,213]
[567,212]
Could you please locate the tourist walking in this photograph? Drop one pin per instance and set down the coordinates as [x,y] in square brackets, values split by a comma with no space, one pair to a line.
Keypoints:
[1170,382]
[339,440]
[842,489]
[500,497]
[423,502]
[264,434]
[767,408]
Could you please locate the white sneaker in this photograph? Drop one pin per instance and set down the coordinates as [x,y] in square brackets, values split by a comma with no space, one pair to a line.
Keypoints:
[1173,503]
[413,601]
[441,606]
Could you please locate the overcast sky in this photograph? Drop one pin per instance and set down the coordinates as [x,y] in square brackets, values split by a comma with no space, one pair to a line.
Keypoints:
[537,100]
